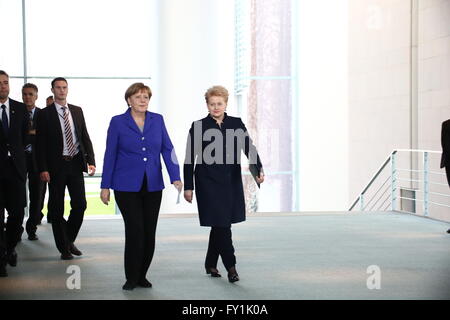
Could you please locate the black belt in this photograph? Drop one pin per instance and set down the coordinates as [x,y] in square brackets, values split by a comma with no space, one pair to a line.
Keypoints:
[69,158]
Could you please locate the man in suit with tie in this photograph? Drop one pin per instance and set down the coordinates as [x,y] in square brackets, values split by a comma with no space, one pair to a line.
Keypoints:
[36,187]
[64,152]
[13,131]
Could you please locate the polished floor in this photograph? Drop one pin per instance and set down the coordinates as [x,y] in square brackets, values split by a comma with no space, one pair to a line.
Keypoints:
[280,257]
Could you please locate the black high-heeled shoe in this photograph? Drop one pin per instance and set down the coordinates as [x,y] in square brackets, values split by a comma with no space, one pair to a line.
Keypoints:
[233,275]
[213,272]
[129,286]
[144,283]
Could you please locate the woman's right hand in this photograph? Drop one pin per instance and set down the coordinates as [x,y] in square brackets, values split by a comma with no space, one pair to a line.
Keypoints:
[188,195]
[104,196]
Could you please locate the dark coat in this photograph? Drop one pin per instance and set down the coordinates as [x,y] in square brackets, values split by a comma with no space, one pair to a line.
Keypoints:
[445,141]
[50,140]
[16,139]
[215,151]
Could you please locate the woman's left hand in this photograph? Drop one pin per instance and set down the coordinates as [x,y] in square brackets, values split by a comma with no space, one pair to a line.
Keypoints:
[260,178]
[178,185]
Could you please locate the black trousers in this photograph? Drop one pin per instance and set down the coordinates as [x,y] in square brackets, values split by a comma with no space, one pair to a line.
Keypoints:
[36,194]
[12,200]
[447,172]
[70,175]
[140,211]
[220,244]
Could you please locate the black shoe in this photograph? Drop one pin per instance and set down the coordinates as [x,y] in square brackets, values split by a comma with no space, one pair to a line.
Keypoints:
[233,275]
[12,258]
[448,231]
[213,272]
[40,219]
[32,237]
[129,286]
[74,250]
[20,237]
[144,283]
[3,272]
[66,256]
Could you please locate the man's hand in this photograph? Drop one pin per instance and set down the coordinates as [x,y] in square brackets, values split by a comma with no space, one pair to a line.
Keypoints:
[91,170]
[45,176]
[188,195]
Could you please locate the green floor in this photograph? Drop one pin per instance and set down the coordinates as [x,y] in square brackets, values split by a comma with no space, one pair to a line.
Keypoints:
[279,256]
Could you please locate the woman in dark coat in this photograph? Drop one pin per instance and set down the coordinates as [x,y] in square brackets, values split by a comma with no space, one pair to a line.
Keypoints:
[214,147]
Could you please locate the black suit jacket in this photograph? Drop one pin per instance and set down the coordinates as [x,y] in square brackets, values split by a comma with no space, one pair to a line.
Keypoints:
[16,139]
[50,139]
[445,141]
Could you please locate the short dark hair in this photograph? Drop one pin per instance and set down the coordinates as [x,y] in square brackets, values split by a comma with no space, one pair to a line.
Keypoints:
[58,79]
[30,86]
[3,73]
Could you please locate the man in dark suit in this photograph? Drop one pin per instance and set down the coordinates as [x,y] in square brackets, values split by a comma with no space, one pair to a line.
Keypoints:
[445,142]
[13,131]
[49,101]
[36,187]
[64,152]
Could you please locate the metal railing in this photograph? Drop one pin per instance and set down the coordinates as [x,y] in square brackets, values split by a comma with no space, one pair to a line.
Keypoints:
[410,181]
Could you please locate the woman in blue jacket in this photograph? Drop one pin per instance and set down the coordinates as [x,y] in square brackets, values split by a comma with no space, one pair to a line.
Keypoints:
[132,168]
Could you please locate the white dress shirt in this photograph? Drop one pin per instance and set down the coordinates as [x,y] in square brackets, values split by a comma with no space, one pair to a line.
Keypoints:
[59,109]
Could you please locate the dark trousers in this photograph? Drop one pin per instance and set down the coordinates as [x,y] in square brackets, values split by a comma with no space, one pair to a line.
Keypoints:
[220,244]
[447,172]
[13,200]
[140,212]
[36,194]
[70,175]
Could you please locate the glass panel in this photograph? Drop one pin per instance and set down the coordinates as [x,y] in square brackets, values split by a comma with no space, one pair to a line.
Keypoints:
[11,57]
[271,38]
[91,38]
[269,121]
[15,89]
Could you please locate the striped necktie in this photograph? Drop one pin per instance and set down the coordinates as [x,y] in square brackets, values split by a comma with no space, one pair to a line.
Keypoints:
[68,133]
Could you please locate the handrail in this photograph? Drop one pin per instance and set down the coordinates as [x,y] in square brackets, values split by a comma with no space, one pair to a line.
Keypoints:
[422,181]
[373,179]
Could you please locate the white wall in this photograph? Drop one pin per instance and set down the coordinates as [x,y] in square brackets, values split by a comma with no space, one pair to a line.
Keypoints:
[322,118]
[434,88]
[434,71]
[379,85]
[196,52]
[383,111]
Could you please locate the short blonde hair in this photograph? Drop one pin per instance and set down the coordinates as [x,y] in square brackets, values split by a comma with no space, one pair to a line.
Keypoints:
[135,88]
[217,91]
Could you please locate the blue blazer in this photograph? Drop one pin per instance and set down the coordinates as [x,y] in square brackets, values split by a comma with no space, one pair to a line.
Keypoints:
[130,153]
